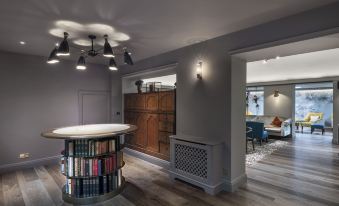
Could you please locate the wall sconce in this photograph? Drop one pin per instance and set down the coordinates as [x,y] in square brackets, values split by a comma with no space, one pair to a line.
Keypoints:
[199,70]
[276,93]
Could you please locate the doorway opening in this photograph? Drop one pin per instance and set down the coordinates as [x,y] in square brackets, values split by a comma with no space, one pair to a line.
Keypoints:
[149,102]
[291,95]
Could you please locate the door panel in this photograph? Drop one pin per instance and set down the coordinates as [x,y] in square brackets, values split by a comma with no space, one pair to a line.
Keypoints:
[141,133]
[94,107]
[166,101]
[152,133]
[152,102]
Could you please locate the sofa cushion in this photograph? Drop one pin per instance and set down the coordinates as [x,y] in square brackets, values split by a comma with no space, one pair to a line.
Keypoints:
[273,129]
[314,118]
[277,122]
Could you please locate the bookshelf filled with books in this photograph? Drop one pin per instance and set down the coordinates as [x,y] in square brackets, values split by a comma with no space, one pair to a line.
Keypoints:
[92,168]
[92,165]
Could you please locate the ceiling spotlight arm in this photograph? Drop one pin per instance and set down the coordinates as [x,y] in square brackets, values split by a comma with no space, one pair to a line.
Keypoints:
[75,47]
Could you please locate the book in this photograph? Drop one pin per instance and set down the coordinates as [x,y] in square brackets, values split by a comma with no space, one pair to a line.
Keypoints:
[70,166]
[86,172]
[70,148]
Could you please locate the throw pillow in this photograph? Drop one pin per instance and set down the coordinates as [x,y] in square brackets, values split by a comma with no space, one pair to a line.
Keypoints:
[314,118]
[276,122]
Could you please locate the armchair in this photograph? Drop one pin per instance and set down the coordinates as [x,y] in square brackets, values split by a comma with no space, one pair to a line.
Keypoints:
[258,131]
[307,121]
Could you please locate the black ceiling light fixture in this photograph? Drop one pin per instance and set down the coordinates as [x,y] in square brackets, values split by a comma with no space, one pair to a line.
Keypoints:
[81,65]
[127,57]
[112,64]
[106,51]
[52,59]
[63,49]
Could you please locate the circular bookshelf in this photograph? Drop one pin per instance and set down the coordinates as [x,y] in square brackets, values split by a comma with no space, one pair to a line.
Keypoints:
[93,176]
[92,161]
[94,199]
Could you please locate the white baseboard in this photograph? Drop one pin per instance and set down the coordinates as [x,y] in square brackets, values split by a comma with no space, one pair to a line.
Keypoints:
[233,185]
[29,164]
[210,189]
[148,158]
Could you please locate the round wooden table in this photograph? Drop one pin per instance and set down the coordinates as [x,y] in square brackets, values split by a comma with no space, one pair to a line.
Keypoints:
[92,161]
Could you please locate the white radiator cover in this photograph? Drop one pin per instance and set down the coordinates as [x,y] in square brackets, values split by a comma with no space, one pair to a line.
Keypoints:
[198,161]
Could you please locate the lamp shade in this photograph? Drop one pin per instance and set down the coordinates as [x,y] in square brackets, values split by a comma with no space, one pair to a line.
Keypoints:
[52,59]
[112,64]
[81,65]
[276,93]
[128,58]
[63,49]
[108,52]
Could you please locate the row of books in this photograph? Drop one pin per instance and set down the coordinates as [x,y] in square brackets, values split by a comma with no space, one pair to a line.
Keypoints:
[93,186]
[88,167]
[85,147]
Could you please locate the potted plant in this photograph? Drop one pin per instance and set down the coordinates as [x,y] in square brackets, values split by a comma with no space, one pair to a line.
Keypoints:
[139,85]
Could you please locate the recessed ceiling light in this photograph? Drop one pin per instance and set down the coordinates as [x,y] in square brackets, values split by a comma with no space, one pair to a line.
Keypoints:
[22,42]
[277,57]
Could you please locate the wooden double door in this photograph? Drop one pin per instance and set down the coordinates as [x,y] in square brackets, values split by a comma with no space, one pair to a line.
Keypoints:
[147,134]
[154,114]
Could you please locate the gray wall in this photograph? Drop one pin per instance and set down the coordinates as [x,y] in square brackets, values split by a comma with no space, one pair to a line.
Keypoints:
[116,88]
[282,105]
[204,107]
[35,96]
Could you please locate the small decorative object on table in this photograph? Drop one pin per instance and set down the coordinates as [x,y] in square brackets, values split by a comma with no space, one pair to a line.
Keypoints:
[92,161]
[139,85]
[153,86]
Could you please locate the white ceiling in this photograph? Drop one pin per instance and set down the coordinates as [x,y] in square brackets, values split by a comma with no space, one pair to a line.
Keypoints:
[302,66]
[153,26]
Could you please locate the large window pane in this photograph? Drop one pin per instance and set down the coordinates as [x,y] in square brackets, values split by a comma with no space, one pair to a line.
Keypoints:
[312,99]
[255,101]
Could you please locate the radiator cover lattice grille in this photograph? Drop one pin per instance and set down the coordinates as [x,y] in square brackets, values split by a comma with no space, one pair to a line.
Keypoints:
[191,160]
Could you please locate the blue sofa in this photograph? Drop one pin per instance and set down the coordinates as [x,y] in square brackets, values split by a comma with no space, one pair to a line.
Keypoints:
[258,132]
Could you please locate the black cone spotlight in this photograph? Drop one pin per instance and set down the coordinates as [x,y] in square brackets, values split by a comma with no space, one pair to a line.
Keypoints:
[108,52]
[112,64]
[52,59]
[81,65]
[127,58]
[63,49]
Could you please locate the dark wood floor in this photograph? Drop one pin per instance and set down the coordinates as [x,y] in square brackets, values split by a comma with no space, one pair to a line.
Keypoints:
[306,172]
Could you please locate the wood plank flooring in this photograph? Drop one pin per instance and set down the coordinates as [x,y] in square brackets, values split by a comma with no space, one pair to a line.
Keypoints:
[306,172]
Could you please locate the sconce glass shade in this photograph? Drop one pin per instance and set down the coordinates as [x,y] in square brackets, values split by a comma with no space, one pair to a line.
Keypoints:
[276,93]
[127,58]
[108,52]
[81,65]
[63,49]
[112,65]
[52,59]
[199,70]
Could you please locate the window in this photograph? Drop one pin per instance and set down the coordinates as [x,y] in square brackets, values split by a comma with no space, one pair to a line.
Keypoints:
[255,101]
[316,97]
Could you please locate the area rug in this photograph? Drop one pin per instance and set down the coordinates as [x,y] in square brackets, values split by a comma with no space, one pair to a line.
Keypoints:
[263,151]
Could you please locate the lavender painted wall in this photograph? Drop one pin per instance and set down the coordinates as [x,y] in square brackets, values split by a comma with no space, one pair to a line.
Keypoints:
[204,107]
[35,96]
